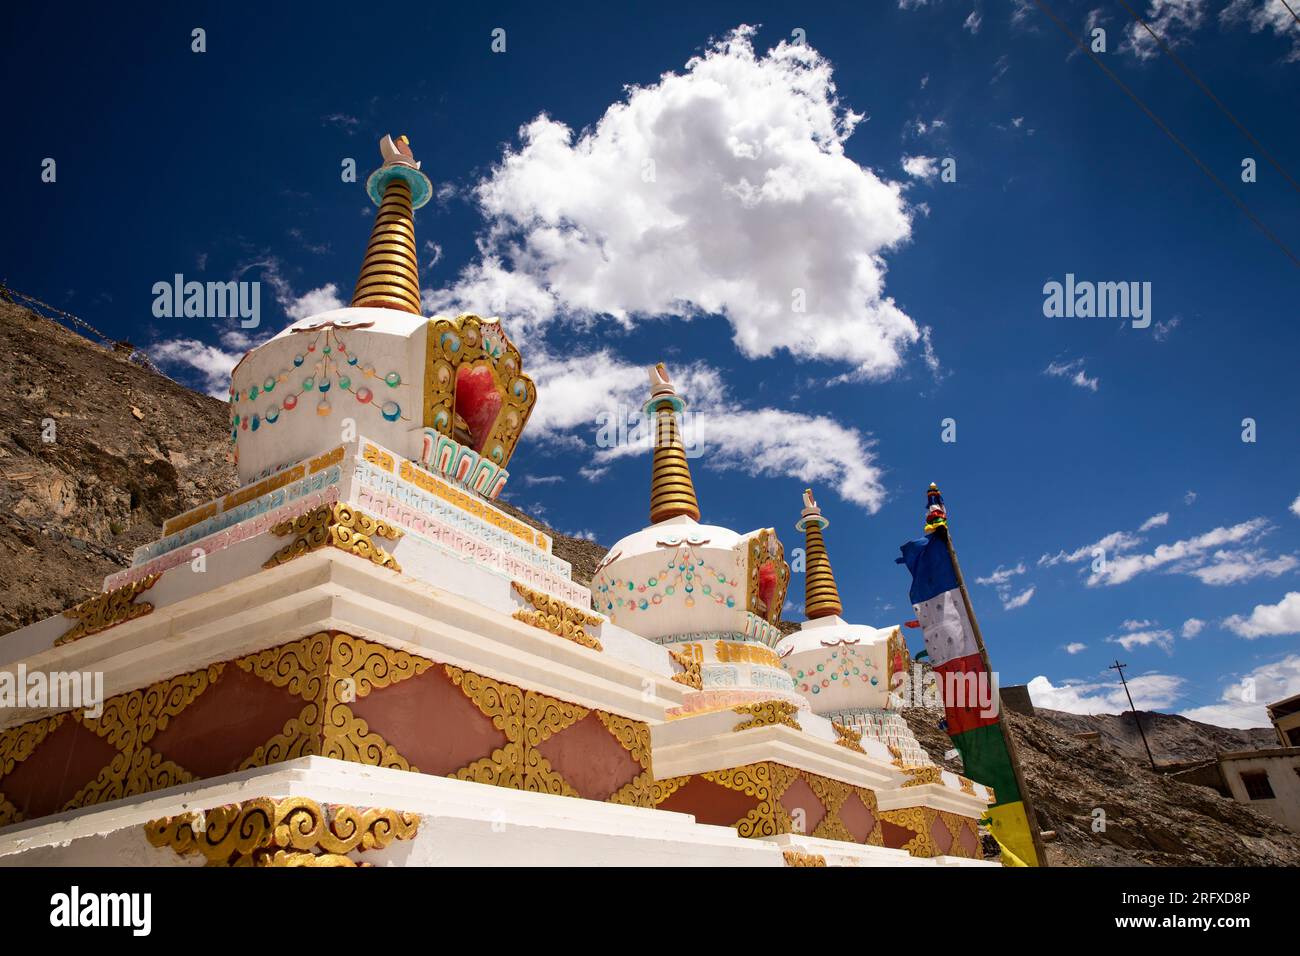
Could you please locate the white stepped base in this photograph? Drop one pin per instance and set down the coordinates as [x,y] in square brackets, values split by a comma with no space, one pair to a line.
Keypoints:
[461,824]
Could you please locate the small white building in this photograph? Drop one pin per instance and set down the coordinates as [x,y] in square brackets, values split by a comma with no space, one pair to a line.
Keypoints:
[1267,780]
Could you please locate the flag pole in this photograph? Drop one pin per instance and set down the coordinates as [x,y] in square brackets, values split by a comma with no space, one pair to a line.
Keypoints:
[1030,817]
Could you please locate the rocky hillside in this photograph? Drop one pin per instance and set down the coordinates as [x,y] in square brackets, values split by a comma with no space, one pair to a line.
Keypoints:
[1150,820]
[1173,739]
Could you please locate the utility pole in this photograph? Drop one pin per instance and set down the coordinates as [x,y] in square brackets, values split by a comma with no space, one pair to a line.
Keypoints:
[1117,666]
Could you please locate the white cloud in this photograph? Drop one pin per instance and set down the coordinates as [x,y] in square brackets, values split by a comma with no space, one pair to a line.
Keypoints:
[1020,600]
[1001,579]
[212,364]
[1150,692]
[1193,626]
[1131,625]
[324,299]
[1189,498]
[1268,620]
[719,190]
[1161,638]
[1074,647]
[1155,521]
[1242,701]
[1295,507]
[1189,556]
[973,22]
[1074,372]
[1235,566]
[1162,330]
[1001,575]
[573,391]
[1113,543]
[1265,15]
[920,167]
[1174,21]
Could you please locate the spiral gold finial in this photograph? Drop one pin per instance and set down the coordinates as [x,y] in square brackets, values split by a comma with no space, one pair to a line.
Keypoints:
[672,493]
[390,271]
[821,596]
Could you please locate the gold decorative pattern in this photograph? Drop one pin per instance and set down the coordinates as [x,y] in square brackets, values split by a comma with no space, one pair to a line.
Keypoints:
[338,526]
[765,547]
[798,858]
[356,667]
[8,813]
[897,756]
[920,776]
[766,713]
[107,610]
[18,743]
[470,342]
[290,832]
[767,782]
[634,737]
[967,785]
[916,819]
[746,652]
[689,658]
[848,738]
[556,617]
[327,671]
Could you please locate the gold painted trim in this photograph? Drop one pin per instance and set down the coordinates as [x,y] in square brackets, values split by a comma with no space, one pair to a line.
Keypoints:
[556,617]
[848,738]
[107,610]
[767,713]
[798,858]
[338,526]
[690,659]
[292,832]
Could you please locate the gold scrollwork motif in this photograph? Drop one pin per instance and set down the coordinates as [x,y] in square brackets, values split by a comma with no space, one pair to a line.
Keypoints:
[768,818]
[8,812]
[798,858]
[916,819]
[919,776]
[18,743]
[967,785]
[291,832]
[556,617]
[338,526]
[691,674]
[766,713]
[634,737]
[848,738]
[107,610]
[356,667]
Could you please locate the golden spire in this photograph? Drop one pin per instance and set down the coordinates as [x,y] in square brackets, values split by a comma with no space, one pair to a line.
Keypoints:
[821,597]
[672,493]
[390,272]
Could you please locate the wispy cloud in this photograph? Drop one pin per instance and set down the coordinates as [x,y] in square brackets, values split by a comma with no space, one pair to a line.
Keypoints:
[1074,372]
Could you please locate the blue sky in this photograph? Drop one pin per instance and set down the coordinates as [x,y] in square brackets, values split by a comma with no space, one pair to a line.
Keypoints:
[776,168]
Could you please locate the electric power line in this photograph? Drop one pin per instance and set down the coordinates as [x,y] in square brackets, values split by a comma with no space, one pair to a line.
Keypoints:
[1295,260]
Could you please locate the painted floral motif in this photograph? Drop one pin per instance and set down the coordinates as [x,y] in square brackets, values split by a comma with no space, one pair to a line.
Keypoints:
[844,664]
[326,369]
[686,577]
